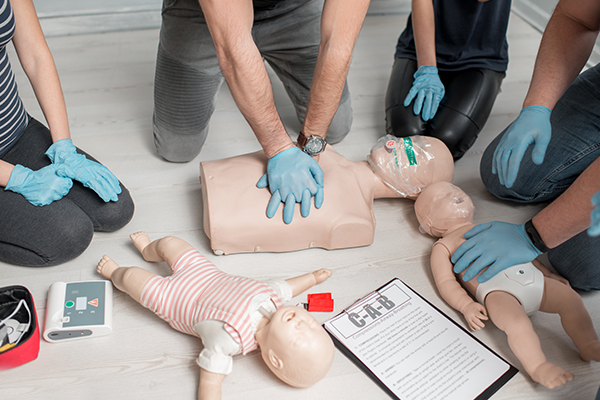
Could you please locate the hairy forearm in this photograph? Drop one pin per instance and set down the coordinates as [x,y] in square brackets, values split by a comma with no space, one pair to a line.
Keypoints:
[566,45]
[230,24]
[569,214]
[340,26]
[423,22]
[326,90]
[251,89]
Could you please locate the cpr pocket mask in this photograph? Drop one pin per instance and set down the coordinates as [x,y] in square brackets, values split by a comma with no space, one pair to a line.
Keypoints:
[19,333]
[396,160]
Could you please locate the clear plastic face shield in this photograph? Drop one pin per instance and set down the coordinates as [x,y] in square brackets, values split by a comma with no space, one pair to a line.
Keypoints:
[447,207]
[404,164]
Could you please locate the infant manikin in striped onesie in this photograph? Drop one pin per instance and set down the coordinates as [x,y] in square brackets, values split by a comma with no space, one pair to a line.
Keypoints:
[231,314]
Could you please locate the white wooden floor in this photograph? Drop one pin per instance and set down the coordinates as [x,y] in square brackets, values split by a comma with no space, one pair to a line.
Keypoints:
[107,79]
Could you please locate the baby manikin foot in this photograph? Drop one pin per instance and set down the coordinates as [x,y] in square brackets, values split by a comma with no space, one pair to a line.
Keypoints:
[550,375]
[106,267]
[322,274]
[140,240]
[591,352]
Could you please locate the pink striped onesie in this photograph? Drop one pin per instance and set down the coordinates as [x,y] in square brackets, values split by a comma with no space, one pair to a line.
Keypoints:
[199,291]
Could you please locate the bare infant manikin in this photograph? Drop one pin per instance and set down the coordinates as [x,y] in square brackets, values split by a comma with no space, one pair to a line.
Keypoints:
[445,211]
[231,314]
[235,209]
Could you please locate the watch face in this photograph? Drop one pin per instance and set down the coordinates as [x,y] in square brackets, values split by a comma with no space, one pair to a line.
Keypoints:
[314,145]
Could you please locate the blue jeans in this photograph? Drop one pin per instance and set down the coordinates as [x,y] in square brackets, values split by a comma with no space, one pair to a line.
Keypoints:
[188,75]
[574,145]
[54,234]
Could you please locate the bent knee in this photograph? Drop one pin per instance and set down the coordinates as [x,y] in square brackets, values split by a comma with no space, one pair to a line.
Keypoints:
[69,242]
[455,129]
[178,146]
[400,121]
[524,189]
[114,215]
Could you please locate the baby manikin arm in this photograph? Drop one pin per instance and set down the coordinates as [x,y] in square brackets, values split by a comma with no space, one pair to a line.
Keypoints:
[210,385]
[445,279]
[451,290]
[235,209]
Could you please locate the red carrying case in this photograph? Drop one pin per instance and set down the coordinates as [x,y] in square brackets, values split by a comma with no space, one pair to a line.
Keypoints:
[17,306]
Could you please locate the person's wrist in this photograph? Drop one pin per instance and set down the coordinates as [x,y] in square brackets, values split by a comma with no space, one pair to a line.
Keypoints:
[284,153]
[426,69]
[536,109]
[534,236]
[280,150]
[59,148]
[313,145]
[19,175]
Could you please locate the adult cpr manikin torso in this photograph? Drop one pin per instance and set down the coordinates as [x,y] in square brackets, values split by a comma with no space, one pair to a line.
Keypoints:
[235,209]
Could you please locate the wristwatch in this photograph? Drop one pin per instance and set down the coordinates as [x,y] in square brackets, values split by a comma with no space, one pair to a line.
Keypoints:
[312,145]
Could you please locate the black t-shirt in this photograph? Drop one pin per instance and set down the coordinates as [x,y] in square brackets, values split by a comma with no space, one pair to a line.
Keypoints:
[468,34]
[262,5]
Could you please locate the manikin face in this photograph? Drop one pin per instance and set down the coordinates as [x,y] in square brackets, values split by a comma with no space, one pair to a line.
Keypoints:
[294,327]
[295,347]
[442,206]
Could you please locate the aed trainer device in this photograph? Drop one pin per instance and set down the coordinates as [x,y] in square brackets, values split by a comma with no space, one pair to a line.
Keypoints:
[78,310]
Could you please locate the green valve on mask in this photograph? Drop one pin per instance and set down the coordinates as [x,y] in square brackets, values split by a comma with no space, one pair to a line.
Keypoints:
[410,152]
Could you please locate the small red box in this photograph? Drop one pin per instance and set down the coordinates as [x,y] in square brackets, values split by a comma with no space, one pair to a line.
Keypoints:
[320,302]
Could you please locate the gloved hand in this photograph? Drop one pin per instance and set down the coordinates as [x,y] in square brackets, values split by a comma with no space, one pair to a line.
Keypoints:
[498,245]
[594,229]
[293,177]
[76,166]
[532,127]
[40,187]
[429,90]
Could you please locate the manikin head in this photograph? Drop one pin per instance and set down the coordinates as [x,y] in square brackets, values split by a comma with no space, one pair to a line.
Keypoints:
[410,164]
[442,206]
[295,347]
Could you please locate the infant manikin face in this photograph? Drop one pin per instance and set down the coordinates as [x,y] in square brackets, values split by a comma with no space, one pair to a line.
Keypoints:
[442,206]
[296,347]
[294,326]
[410,164]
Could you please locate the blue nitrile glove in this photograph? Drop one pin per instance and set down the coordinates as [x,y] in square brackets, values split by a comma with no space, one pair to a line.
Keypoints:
[293,177]
[76,166]
[594,229]
[532,127]
[40,187]
[429,91]
[498,245]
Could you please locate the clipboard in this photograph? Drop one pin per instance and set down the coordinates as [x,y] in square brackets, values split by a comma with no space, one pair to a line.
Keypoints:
[412,350]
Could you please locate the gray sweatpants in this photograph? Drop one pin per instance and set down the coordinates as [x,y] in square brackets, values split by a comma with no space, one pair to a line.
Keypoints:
[188,76]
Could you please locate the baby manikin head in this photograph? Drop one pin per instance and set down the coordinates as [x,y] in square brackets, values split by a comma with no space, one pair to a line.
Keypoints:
[410,164]
[295,347]
[441,206]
